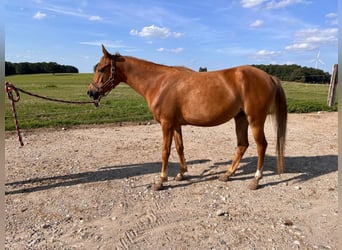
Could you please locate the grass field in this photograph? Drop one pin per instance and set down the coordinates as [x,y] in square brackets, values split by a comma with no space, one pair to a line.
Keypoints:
[121,105]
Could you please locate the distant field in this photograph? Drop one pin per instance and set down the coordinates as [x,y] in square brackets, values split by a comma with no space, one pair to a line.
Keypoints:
[121,105]
[305,98]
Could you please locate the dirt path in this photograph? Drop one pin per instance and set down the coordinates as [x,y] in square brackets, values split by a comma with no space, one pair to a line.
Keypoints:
[89,188]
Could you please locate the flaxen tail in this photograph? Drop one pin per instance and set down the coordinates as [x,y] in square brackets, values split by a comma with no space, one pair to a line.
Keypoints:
[280,113]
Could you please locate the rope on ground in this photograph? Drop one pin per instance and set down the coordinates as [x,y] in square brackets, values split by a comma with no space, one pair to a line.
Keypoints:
[14,96]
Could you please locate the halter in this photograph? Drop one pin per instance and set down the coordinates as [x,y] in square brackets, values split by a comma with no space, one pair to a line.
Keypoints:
[110,81]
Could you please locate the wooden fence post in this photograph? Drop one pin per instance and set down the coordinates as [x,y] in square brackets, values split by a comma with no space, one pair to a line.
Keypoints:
[332,86]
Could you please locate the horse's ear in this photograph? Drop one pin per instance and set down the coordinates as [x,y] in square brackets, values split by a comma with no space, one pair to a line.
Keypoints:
[105,52]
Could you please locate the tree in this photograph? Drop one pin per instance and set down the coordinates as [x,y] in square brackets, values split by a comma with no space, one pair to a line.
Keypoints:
[37,68]
[23,68]
[296,73]
[9,69]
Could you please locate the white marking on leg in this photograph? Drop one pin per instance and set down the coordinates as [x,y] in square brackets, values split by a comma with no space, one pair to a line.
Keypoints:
[258,174]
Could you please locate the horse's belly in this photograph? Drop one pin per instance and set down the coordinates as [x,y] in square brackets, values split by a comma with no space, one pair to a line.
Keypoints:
[210,114]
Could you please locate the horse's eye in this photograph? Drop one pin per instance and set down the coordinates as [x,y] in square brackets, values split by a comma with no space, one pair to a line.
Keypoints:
[100,70]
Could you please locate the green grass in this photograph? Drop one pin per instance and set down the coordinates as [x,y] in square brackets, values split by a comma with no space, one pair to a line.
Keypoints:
[121,105]
[305,98]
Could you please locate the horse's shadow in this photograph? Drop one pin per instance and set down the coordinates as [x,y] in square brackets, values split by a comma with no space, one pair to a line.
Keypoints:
[305,167]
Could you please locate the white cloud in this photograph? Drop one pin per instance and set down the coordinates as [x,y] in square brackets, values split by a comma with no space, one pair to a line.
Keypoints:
[39,15]
[282,3]
[332,18]
[95,18]
[309,39]
[265,55]
[176,50]
[299,46]
[269,4]
[331,15]
[155,32]
[251,3]
[256,23]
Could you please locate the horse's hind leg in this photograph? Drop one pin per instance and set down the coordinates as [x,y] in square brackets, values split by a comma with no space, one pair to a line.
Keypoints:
[257,127]
[177,135]
[241,129]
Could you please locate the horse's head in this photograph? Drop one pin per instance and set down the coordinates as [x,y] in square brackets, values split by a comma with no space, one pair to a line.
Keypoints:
[105,77]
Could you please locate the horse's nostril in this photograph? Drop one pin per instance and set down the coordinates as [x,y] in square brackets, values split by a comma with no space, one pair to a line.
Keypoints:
[93,94]
[96,95]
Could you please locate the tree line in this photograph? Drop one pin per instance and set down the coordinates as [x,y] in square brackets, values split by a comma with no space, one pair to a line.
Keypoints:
[292,73]
[296,73]
[37,68]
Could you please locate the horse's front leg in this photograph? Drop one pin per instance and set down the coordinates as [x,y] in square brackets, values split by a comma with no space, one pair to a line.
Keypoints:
[177,134]
[167,141]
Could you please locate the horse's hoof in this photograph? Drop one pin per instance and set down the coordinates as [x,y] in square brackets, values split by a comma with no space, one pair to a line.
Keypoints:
[157,186]
[254,184]
[163,179]
[224,177]
[179,177]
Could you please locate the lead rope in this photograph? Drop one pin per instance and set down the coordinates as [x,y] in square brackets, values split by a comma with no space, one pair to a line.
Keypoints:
[9,91]
[10,88]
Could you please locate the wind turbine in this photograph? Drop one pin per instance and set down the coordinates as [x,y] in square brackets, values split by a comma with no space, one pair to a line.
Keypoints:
[318,59]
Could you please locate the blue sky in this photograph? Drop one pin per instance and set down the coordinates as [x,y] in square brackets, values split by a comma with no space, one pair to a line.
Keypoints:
[214,34]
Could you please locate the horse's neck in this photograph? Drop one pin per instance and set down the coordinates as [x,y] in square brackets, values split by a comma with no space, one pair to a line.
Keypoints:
[142,75]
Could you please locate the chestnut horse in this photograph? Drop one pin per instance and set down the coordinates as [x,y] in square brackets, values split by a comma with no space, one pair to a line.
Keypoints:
[178,96]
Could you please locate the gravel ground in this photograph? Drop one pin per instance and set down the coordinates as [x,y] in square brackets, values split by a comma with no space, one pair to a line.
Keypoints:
[90,188]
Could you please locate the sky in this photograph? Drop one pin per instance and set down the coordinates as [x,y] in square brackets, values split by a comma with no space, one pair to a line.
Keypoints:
[215,34]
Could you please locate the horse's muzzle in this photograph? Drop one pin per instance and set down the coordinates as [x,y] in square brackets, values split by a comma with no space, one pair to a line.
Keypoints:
[95,95]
